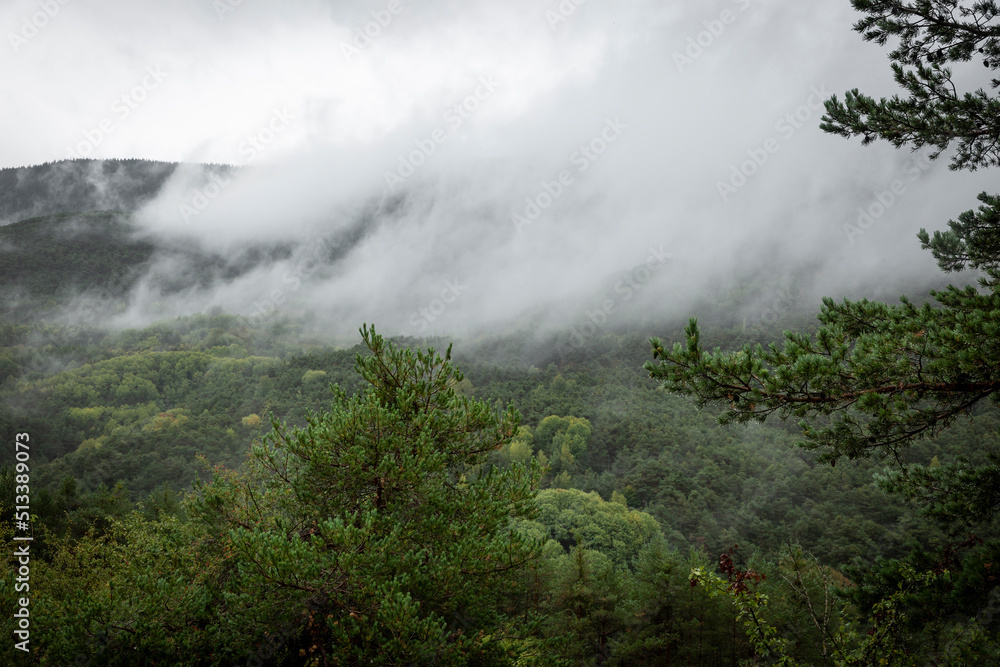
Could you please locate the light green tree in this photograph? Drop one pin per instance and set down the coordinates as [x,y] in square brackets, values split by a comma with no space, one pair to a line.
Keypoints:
[563,439]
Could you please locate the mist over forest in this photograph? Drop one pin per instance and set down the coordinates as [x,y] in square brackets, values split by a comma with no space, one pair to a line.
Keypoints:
[560,333]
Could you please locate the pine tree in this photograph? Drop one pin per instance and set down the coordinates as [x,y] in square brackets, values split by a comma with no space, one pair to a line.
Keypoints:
[885,375]
[930,34]
[378,534]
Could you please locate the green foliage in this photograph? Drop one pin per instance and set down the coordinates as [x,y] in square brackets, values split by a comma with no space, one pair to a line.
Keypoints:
[588,605]
[888,374]
[139,594]
[562,439]
[706,486]
[750,604]
[574,518]
[957,494]
[935,113]
[971,242]
[380,516]
[637,601]
[313,377]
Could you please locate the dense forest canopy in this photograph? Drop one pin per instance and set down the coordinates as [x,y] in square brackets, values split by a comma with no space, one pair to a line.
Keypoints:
[638,486]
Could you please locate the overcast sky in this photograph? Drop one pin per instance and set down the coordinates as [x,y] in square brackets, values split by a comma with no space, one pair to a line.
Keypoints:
[544,150]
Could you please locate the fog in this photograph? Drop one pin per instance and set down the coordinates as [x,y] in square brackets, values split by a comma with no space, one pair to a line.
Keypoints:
[473,167]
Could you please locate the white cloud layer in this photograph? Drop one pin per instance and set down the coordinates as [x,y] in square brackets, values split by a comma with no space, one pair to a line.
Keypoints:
[691,127]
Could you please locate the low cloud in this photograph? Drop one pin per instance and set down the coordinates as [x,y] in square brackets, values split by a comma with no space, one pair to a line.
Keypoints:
[532,161]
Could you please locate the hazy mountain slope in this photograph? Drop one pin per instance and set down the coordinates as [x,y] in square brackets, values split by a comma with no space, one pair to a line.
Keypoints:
[79,185]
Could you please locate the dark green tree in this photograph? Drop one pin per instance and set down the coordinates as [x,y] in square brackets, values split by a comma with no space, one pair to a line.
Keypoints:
[885,375]
[928,35]
[378,533]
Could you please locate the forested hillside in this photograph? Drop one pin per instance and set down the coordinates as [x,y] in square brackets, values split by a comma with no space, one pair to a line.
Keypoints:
[638,485]
[641,495]
[69,186]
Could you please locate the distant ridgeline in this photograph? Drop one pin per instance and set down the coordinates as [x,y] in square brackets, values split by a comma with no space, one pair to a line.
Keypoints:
[67,239]
[72,186]
[65,230]
[52,262]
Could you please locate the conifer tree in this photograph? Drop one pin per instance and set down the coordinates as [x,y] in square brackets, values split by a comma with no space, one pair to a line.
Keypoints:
[886,375]
[378,534]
